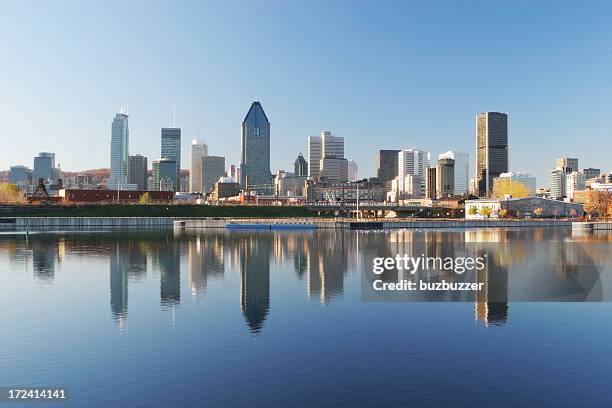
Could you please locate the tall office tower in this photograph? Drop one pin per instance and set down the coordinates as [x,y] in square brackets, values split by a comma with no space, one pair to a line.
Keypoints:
[300,166]
[233,172]
[164,175]
[315,152]
[462,170]
[213,167]
[171,150]
[196,152]
[44,168]
[430,184]
[20,175]
[353,170]
[567,164]
[138,171]
[332,166]
[412,162]
[491,149]
[255,148]
[445,177]
[574,181]
[120,142]
[557,184]
[590,173]
[386,164]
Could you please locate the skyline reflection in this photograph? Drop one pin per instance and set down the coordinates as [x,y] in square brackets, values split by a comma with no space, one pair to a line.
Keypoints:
[319,261]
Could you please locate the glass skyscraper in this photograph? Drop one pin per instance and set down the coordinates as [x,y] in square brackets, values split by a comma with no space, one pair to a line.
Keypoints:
[120,141]
[255,148]
[171,149]
[44,168]
[491,149]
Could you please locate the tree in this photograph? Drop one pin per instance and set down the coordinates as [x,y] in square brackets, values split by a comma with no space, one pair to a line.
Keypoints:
[10,194]
[486,212]
[145,198]
[538,212]
[504,186]
[598,203]
[503,212]
[472,210]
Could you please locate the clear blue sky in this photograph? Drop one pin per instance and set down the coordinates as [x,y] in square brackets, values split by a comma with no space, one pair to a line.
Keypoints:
[382,74]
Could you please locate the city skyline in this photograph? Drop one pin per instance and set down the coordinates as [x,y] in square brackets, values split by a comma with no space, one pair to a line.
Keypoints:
[559,71]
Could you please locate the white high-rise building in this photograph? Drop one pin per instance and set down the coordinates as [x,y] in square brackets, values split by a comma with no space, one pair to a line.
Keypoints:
[315,152]
[196,152]
[326,157]
[415,163]
[120,140]
[575,181]
[353,170]
[462,170]
[557,184]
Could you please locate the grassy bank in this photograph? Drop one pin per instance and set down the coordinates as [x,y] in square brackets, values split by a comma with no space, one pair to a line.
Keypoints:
[153,210]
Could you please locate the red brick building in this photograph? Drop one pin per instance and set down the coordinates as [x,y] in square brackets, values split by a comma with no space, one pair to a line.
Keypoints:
[101,196]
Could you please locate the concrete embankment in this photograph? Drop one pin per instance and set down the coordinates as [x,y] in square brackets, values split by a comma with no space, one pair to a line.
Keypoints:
[22,223]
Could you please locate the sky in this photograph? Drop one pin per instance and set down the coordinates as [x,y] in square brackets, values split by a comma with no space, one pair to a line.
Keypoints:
[382,74]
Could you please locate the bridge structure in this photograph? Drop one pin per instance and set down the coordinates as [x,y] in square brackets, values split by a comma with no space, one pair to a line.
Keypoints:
[366,209]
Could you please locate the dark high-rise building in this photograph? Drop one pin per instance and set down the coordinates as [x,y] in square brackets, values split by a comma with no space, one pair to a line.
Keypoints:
[171,149]
[430,183]
[300,166]
[386,164]
[255,148]
[567,164]
[491,149]
[138,171]
[445,177]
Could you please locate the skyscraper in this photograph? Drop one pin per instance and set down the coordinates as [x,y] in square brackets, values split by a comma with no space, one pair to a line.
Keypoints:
[171,150]
[120,141]
[386,164]
[213,167]
[430,184]
[300,166]
[326,157]
[445,178]
[315,152]
[413,163]
[255,148]
[462,170]
[20,175]
[44,167]
[196,152]
[353,170]
[138,171]
[567,164]
[164,175]
[491,149]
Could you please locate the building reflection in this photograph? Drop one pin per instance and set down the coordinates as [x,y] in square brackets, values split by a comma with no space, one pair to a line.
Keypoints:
[491,306]
[166,259]
[205,261]
[327,265]
[45,255]
[254,258]
[119,269]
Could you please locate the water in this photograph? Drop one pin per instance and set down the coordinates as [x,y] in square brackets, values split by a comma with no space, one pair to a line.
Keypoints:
[217,318]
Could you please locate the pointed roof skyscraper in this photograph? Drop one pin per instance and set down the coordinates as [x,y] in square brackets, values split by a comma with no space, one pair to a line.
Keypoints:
[255,148]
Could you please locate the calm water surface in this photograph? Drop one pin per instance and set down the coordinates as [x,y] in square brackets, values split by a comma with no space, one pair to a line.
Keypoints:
[216,318]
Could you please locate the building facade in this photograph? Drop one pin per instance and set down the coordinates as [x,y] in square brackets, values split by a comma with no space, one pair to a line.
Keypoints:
[255,148]
[138,171]
[171,150]
[491,149]
[165,177]
[557,184]
[353,170]
[386,164]
[120,142]
[574,181]
[462,170]
[300,166]
[20,175]
[44,168]
[431,183]
[445,178]
[567,164]
[413,163]
[213,168]
[196,152]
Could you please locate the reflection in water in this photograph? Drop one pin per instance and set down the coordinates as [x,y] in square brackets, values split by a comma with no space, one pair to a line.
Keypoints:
[254,252]
[567,266]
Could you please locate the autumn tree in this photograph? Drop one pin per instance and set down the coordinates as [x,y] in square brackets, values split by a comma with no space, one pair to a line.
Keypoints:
[486,211]
[598,203]
[472,210]
[10,194]
[504,186]
[538,211]
[145,198]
